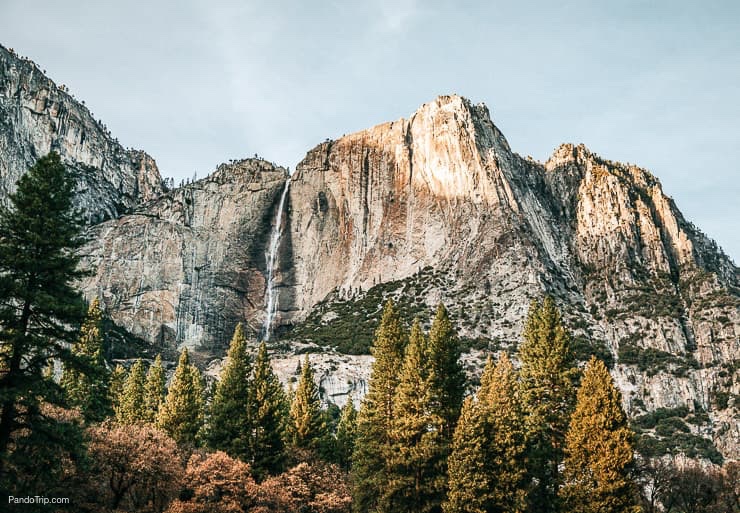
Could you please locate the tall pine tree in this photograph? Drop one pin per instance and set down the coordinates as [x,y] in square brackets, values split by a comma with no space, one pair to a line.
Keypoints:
[40,311]
[446,374]
[229,425]
[86,385]
[307,427]
[155,390]
[346,434]
[268,410]
[373,445]
[117,383]
[598,451]
[548,378]
[131,408]
[181,415]
[416,474]
[469,472]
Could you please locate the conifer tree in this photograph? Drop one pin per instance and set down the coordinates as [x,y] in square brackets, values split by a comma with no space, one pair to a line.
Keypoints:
[506,436]
[155,390]
[116,386]
[469,472]
[416,475]
[181,415]
[40,311]
[131,403]
[487,467]
[372,445]
[86,385]
[548,380]
[307,426]
[229,428]
[268,410]
[346,434]
[446,374]
[598,451]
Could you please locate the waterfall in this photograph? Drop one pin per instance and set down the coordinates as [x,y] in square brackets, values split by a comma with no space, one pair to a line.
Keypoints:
[270,258]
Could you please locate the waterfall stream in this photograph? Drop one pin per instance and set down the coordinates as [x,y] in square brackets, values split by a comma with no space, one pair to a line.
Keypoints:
[271,302]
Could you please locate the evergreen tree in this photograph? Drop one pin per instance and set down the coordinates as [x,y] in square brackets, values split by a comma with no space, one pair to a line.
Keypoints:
[598,451]
[469,472]
[269,412]
[346,434]
[506,436]
[372,445]
[446,374]
[117,383]
[548,379]
[487,468]
[181,415]
[131,403]
[229,428]
[416,473]
[307,426]
[87,386]
[40,311]
[155,389]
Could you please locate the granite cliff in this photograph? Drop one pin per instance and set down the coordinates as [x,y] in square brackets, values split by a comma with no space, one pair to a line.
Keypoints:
[436,207]
[37,116]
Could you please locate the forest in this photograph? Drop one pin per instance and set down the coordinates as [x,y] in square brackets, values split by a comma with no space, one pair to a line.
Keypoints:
[541,432]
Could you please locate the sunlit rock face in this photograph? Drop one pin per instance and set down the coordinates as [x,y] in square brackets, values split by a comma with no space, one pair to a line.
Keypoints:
[37,116]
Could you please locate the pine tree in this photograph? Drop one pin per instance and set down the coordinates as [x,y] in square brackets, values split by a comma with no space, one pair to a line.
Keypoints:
[446,374]
[269,411]
[229,427]
[155,390]
[40,311]
[346,434]
[506,436]
[131,403]
[469,473]
[307,426]
[416,473]
[86,385]
[598,451]
[548,377]
[372,445]
[181,415]
[116,385]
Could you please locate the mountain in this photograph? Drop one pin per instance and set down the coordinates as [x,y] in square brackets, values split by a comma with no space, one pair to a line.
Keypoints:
[37,116]
[436,207]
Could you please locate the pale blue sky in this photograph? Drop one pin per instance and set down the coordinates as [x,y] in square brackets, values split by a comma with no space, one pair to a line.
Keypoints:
[195,83]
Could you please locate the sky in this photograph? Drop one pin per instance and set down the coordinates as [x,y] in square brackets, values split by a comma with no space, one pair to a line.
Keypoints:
[199,82]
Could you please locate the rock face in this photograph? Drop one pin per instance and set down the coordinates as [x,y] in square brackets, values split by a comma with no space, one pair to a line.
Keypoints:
[36,117]
[432,208]
[184,269]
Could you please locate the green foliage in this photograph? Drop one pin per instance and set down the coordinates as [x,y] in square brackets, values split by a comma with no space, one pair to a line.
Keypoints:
[416,476]
[86,386]
[268,408]
[131,407]
[373,443]
[181,415]
[346,435]
[583,348]
[548,380]
[598,451]
[652,361]
[487,468]
[229,424]
[40,311]
[671,435]
[307,427]
[117,384]
[155,390]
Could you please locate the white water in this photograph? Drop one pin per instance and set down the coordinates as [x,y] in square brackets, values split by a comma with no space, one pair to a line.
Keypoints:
[271,303]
